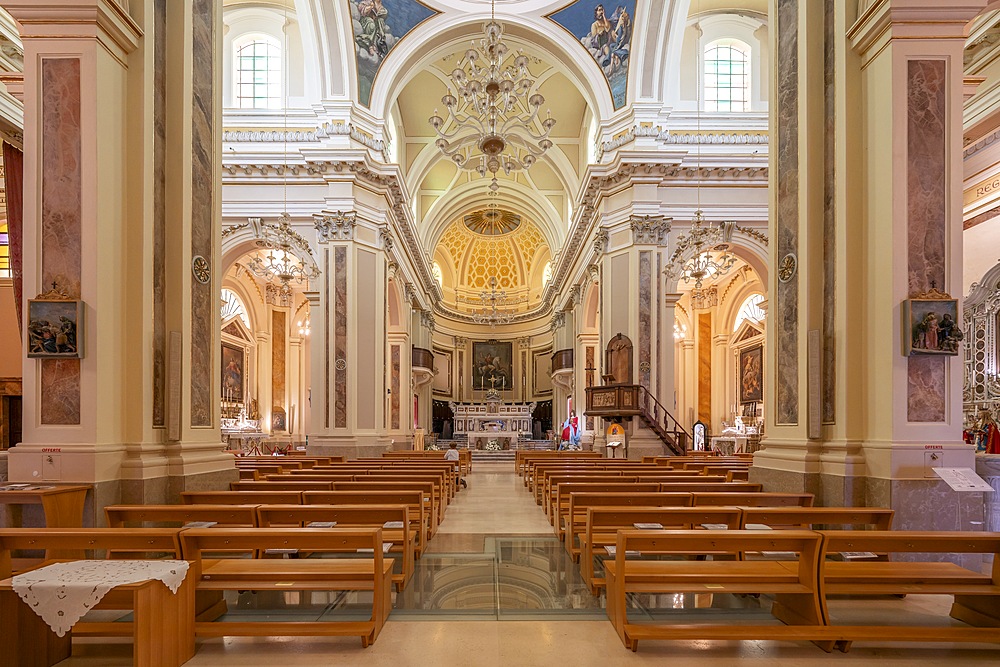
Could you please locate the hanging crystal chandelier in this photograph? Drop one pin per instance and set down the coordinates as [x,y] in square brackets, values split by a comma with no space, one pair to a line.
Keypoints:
[703,253]
[492,124]
[492,299]
[288,258]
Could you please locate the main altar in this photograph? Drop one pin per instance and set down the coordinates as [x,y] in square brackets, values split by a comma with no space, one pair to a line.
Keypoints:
[493,420]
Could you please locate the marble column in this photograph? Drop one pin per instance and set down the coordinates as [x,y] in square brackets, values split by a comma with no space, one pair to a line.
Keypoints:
[349,389]
[870,220]
[95,105]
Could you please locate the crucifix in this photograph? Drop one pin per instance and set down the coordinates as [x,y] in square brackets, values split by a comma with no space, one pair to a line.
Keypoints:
[493,382]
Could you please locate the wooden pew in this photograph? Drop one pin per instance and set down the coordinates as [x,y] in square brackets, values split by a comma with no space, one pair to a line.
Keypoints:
[304,574]
[575,521]
[353,516]
[241,497]
[603,524]
[783,518]
[976,595]
[163,627]
[559,507]
[753,499]
[794,585]
[279,486]
[427,488]
[522,457]
[412,500]
[132,516]
[710,487]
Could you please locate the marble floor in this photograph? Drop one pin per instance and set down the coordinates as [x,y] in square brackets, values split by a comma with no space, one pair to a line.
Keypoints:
[493,524]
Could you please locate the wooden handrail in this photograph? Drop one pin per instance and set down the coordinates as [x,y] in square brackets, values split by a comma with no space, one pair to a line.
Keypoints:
[664,423]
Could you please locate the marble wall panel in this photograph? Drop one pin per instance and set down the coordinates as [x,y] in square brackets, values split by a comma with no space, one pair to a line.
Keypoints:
[204,297]
[279,334]
[659,310]
[159,211]
[394,358]
[645,297]
[829,360]
[61,223]
[589,355]
[926,220]
[340,337]
[326,337]
[786,307]
[705,367]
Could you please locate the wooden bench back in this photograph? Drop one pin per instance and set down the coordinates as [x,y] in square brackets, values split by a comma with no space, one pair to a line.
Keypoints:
[280,486]
[224,515]
[710,487]
[197,541]
[240,497]
[269,516]
[135,542]
[875,518]
[754,499]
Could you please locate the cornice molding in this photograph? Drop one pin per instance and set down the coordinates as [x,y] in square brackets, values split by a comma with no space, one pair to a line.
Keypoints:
[37,17]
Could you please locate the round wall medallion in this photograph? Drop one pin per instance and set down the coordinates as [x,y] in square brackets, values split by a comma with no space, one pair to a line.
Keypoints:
[644,366]
[201,270]
[341,364]
[786,267]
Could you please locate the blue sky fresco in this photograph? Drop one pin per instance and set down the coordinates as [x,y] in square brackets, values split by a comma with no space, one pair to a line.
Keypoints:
[604,29]
[378,25]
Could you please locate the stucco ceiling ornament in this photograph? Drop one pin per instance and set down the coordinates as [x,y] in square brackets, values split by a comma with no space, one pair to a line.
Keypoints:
[492,121]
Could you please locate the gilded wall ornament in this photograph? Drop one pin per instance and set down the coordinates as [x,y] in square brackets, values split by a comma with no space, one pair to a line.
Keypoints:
[201,269]
[786,267]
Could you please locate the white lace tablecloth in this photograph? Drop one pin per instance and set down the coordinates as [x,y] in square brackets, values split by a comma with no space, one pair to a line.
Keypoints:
[63,592]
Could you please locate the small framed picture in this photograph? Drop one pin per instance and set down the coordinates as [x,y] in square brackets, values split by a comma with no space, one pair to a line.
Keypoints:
[55,329]
[931,325]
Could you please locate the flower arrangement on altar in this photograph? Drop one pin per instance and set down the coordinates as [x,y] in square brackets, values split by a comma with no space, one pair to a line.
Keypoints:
[493,446]
[432,448]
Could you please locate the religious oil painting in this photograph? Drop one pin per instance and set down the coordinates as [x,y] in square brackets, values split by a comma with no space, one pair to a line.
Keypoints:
[605,31]
[491,366]
[931,327]
[378,26]
[751,374]
[54,329]
[542,375]
[233,363]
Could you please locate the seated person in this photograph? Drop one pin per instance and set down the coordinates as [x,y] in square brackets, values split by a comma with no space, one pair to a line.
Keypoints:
[452,455]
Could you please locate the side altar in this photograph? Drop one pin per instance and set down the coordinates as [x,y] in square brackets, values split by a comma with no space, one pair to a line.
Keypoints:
[493,420]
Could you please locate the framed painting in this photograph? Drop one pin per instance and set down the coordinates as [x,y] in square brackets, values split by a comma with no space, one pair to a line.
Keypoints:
[751,374]
[931,327]
[55,329]
[492,366]
[233,373]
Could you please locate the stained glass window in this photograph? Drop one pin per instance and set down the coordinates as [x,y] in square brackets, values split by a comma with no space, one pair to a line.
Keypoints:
[4,251]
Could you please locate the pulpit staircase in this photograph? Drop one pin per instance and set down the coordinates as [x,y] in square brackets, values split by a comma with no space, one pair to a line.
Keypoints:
[633,400]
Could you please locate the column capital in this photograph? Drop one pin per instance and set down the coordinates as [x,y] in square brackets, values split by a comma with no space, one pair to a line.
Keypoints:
[106,20]
[911,19]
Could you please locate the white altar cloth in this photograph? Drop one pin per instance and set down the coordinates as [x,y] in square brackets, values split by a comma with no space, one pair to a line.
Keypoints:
[63,592]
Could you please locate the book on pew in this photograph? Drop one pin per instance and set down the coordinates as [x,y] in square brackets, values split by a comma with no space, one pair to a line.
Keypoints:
[200,524]
[321,524]
[857,555]
[280,552]
[648,525]
[392,524]
[613,551]
[715,526]
[758,526]
[385,549]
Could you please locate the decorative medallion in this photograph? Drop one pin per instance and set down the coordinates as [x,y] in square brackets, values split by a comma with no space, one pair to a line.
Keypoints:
[341,364]
[201,270]
[644,366]
[786,267]
[492,222]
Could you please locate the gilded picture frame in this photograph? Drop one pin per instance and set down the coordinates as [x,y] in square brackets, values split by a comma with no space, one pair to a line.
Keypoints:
[54,329]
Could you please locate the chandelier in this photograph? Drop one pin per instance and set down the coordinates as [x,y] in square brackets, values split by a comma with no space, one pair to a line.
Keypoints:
[702,253]
[492,124]
[491,300]
[288,258]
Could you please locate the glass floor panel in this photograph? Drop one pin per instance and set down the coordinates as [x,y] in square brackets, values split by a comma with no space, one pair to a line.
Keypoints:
[514,578]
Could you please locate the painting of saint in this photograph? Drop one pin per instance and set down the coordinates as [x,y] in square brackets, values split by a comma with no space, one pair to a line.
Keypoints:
[232,373]
[605,30]
[491,366]
[52,328]
[751,374]
[378,25]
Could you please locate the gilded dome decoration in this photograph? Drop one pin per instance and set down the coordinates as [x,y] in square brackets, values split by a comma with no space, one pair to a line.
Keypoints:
[492,222]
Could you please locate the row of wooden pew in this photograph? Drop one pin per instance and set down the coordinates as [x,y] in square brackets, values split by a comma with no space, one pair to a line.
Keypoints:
[673,525]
